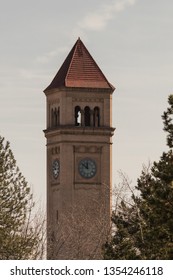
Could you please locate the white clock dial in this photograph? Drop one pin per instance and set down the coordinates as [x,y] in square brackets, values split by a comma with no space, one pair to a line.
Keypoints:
[87,168]
[56,168]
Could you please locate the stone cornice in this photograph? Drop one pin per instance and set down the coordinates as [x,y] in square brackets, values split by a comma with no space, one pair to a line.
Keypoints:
[73,130]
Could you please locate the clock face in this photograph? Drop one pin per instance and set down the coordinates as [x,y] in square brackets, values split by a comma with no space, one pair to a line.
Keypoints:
[87,168]
[56,168]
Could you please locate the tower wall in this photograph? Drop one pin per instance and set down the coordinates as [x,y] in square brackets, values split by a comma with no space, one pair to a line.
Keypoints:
[79,166]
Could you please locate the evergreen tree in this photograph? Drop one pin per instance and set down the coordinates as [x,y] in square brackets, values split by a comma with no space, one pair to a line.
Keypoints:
[144,230]
[18,238]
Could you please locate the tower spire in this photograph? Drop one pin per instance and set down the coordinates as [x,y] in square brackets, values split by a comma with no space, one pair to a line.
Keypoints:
[80,70]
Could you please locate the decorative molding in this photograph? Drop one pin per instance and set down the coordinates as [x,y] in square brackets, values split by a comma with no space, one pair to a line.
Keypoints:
[54,102]
[55,187]
[55,150]
[87,185]
[87,149]
[88,100]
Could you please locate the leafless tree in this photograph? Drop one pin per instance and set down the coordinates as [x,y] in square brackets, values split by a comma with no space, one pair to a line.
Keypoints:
[82,228]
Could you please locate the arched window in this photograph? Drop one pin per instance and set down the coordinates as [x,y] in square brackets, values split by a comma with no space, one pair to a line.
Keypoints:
[52,117]
[58,116]
[87,116]
[55,117]
[96,116]
[77,116]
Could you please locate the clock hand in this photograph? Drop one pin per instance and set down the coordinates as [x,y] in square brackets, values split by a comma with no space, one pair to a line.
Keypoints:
[84,165]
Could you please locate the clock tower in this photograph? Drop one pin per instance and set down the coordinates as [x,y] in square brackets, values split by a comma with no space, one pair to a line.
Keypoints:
[79,132]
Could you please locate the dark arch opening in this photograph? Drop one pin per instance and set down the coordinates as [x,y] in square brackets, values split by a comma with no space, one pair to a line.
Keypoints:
[58,116]
[87,116]
[96,116]
[52,117]
[55,117]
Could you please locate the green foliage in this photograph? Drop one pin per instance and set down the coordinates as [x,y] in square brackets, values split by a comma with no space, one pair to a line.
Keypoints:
[17,237]
[168,122]
[144,230]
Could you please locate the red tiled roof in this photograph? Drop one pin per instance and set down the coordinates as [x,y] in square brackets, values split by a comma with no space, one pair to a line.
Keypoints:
[80,70]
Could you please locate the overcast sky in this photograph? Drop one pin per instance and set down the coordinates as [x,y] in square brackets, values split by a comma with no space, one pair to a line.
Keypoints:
[131,41]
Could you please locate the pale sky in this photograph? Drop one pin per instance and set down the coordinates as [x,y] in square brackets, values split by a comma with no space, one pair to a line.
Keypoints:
[131,41]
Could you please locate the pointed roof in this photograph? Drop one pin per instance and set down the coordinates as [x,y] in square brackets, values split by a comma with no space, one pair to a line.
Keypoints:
[79,70]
